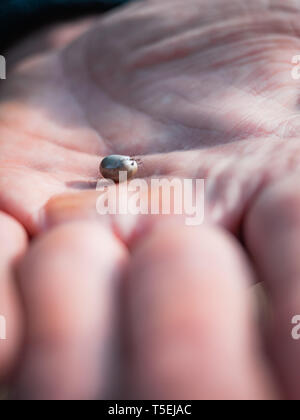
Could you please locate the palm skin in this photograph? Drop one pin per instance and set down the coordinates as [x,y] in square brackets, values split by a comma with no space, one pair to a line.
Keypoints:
[200,91]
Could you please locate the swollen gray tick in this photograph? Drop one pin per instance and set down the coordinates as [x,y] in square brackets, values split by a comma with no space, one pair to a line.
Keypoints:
[112,165]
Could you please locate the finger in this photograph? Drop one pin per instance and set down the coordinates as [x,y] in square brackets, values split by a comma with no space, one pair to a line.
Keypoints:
[190,317]
[69,283]
[272,233]
[13,240]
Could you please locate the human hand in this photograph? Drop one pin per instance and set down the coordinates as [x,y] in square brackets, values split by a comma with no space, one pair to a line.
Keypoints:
[204,92]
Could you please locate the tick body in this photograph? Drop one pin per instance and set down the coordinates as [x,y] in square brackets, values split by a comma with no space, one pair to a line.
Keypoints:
[112,165]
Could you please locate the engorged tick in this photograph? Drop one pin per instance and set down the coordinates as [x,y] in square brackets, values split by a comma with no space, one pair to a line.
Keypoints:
[112,165]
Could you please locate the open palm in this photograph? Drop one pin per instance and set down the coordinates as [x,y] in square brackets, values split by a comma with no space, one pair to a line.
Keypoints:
[202,90]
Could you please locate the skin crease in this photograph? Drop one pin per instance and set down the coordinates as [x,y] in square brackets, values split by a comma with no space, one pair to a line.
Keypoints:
[200,91]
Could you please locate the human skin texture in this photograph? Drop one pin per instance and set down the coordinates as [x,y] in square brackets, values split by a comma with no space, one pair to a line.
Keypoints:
[136,306]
